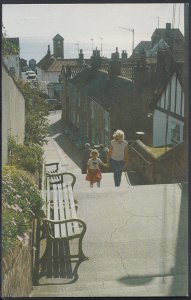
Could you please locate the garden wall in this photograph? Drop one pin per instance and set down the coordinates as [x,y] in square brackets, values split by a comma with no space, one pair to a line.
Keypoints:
[13,112]
[17,273]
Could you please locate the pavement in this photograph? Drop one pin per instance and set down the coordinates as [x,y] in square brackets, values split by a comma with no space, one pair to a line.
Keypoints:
[136,239]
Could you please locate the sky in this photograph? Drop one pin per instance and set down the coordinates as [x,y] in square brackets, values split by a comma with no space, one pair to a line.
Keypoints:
[87,26]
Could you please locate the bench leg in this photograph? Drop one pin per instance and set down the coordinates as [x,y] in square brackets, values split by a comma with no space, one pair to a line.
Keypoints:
[37,254]
[81,253]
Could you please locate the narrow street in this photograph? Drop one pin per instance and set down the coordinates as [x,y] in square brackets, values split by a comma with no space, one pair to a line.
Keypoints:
[60,146]
[136,237]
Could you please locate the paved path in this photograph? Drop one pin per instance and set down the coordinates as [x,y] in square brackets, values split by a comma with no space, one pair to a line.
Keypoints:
[136,236]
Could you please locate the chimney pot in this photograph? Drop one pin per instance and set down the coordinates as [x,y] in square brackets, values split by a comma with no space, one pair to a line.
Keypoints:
[168,26]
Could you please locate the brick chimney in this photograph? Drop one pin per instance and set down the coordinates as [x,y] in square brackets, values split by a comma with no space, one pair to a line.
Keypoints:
[48,51]
[168,34]
[114,64]
[140,70]
[124,54]
[115,55]
[96,59]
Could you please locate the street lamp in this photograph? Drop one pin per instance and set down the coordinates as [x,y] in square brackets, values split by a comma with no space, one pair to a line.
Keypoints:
[133,31]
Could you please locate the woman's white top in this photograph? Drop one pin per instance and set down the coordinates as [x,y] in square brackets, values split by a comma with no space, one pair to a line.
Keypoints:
[94,163]
[118,149]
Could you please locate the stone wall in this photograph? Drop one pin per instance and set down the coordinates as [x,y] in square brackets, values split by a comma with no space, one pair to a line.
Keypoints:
[17,272]
[13,112]
[171,167]
[142,161]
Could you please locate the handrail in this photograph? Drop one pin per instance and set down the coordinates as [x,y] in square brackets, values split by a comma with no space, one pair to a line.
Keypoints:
[148,162]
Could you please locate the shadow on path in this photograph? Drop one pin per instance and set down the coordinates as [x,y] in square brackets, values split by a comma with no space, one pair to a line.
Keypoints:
[53,262]
[56,131]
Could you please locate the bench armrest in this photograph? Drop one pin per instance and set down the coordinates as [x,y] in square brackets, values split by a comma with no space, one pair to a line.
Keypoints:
[62,177]
[53,164]
[46,221]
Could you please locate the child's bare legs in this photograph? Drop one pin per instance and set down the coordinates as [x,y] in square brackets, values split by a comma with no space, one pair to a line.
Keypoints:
[91,184]
[98,184]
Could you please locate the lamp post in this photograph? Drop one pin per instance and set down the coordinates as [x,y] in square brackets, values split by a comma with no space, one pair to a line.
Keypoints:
[133,33]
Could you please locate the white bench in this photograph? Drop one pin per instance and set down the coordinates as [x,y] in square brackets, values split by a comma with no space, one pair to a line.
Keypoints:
[61,221]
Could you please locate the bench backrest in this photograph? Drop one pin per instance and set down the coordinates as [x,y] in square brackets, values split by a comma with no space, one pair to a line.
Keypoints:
[61,210]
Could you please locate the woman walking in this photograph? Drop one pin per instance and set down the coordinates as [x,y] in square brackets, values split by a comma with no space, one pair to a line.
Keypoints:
[117,155]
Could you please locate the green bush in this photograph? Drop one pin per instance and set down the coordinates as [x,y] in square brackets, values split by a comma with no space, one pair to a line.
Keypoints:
[21,201]
[28,158]
[36,111]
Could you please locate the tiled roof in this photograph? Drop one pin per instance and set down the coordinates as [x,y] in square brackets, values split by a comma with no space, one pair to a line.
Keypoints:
[142,45]
[162,82]
[106,91]
[45,62]
[161,32]
[56,65]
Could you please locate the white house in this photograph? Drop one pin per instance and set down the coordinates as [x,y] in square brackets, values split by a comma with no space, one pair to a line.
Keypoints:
[168,114]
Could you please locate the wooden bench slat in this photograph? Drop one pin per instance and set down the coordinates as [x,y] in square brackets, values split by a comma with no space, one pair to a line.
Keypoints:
[48,200]
[61,206]
[67,210]
[56,215]
[73,210]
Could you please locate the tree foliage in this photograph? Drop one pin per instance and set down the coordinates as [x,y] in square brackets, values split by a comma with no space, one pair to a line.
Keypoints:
[8,47]
[36,110]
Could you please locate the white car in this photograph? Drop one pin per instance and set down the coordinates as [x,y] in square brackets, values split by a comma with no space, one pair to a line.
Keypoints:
[31,76]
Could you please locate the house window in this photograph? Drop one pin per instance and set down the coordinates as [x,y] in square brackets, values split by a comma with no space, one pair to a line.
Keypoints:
[175,133]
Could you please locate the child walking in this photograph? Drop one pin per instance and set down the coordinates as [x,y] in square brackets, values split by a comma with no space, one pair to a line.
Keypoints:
[94,173]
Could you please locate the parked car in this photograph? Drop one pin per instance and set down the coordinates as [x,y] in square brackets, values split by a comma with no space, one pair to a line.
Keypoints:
[54,104]
[31,76]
